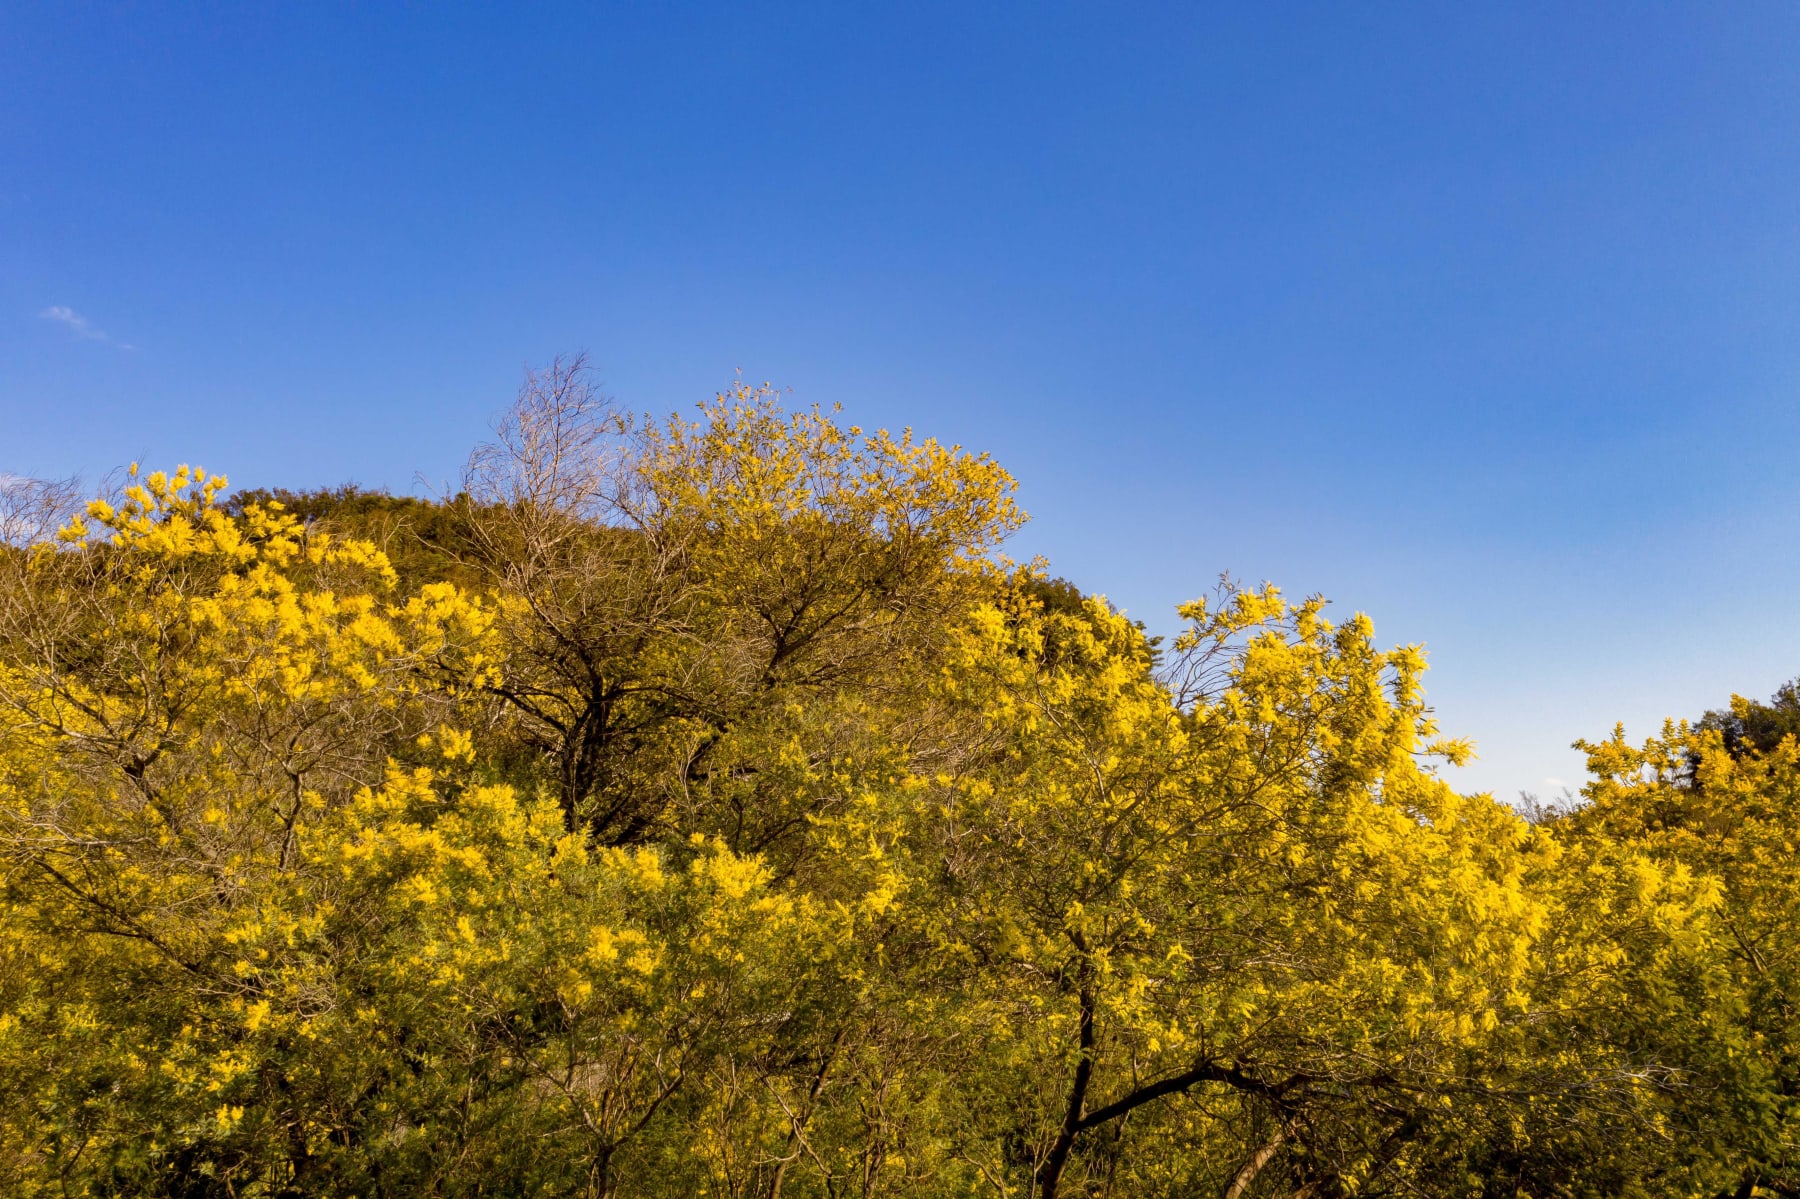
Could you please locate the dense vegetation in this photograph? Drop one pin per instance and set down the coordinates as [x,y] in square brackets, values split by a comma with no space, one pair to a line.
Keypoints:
[706,808]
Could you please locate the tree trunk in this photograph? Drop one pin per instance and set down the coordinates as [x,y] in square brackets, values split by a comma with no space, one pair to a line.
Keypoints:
[1247,1173]
[1050,1176]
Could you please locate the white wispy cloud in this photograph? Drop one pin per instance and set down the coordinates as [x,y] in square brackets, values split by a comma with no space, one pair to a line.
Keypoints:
[65,315]
[79,325]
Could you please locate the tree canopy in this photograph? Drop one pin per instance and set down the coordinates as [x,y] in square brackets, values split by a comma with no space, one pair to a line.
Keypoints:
[708,807]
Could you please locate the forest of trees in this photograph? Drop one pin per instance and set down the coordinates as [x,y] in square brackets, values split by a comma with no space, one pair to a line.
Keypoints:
[709,808]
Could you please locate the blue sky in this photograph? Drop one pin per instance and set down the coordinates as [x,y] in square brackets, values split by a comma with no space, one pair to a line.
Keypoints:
[1479,319]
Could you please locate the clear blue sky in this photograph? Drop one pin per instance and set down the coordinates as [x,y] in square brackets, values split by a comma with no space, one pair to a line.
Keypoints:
[1481,320]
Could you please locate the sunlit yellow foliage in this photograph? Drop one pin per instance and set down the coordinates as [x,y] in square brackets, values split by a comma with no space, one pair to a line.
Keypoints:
[730,819]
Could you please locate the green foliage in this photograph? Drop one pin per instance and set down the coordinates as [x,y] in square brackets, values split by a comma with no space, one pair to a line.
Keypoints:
[425,541]
[1747,726]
